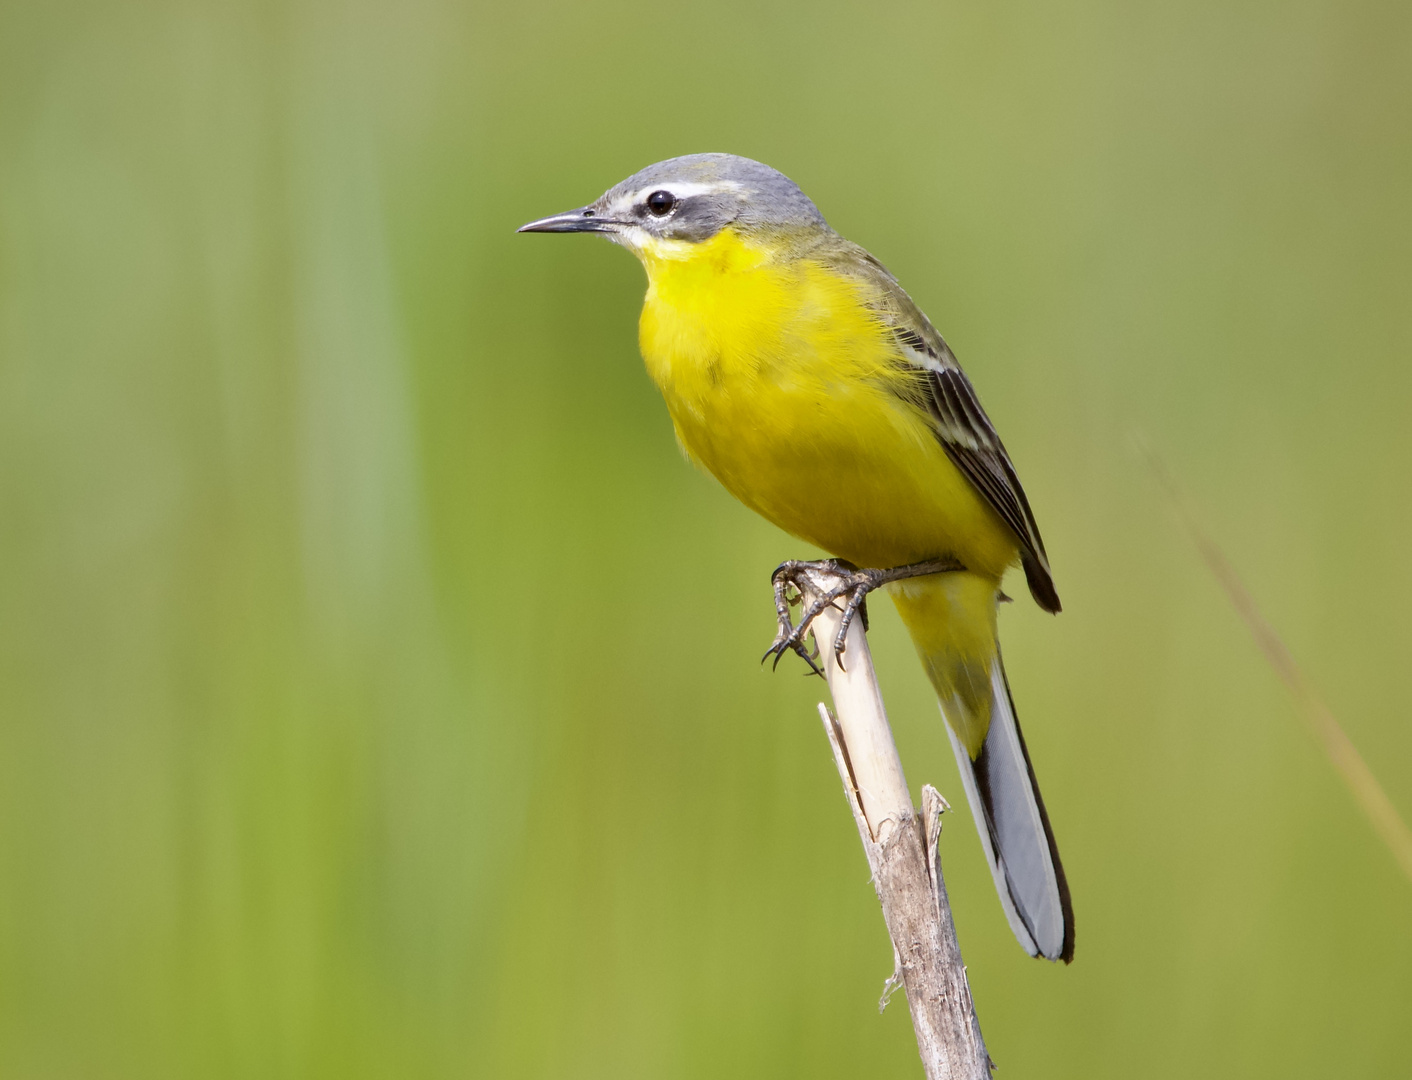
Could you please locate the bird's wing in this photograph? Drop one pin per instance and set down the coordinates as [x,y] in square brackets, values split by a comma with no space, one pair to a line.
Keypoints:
[962,426]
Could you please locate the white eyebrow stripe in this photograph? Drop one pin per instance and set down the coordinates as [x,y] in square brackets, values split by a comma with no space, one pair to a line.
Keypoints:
[678,190]
[686,191]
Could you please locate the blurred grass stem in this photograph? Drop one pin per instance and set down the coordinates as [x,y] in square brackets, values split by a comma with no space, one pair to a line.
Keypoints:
[1367,792]
[902,851]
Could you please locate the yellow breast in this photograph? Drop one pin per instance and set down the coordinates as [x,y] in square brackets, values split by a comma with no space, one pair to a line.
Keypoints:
[783,383]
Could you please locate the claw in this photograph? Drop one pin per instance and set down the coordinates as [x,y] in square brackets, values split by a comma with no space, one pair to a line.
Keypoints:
[787,643]
[855,585]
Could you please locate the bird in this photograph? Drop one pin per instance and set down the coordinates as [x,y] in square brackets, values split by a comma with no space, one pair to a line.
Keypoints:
[800,374]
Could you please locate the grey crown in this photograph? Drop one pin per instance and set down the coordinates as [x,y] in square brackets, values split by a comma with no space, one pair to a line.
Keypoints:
[768,201]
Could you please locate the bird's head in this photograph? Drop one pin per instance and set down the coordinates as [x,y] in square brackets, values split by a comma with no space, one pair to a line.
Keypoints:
[671,208]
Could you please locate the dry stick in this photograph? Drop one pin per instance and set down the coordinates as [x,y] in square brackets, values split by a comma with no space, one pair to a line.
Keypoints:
[1339,748]
[902,853]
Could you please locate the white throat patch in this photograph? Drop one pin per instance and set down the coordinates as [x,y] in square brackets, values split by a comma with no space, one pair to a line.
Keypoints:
[641,242]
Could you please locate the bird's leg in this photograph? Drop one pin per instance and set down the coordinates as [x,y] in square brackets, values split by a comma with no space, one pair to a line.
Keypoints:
[859,583]
[852,583]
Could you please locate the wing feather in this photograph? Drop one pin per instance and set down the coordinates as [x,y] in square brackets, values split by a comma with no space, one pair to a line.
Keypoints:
[970,441]
[962,426]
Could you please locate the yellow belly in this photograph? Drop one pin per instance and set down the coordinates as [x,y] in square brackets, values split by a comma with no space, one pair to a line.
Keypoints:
[782,383]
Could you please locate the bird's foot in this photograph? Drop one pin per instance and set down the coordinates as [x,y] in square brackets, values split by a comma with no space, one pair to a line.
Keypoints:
[792,583]
[787,581]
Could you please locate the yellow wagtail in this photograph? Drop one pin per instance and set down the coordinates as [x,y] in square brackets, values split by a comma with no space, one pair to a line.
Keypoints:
[798,371]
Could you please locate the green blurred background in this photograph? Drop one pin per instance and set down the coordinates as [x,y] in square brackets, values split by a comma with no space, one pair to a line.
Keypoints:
[378,685]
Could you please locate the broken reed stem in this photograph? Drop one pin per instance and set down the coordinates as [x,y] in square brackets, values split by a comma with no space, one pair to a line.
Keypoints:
[902,852]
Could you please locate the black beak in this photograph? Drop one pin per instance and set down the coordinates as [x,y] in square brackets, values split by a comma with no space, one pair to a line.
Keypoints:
[581,220]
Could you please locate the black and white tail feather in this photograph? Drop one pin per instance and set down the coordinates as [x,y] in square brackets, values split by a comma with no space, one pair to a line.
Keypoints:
[1015,832]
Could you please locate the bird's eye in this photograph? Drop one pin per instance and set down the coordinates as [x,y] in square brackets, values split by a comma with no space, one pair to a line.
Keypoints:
[661,203]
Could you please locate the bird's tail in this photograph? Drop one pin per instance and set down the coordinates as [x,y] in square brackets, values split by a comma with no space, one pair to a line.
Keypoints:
[952,620]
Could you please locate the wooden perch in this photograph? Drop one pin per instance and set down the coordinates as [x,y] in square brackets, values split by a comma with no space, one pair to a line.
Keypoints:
[901,850]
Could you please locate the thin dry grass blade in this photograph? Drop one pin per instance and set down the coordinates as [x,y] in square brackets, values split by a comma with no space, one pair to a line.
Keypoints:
[1367,792]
